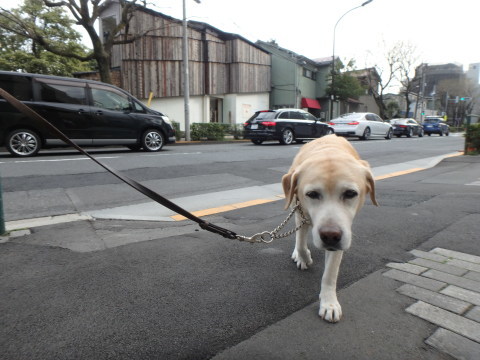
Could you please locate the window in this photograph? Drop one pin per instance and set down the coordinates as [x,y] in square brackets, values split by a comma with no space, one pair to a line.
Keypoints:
[309,74]
[67,94]
[110,100]
[297,115]
[310,117]
[285,115]
[18,86]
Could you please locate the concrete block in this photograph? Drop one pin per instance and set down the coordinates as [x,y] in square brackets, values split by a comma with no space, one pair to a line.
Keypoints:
[464,264]
[474,314]
[434,298]
[472,275]
[463,294]
[416,280]
[457,255]
[438,266]
[428,256]
[410,268]
[443,318]
[453,280]
[454,345]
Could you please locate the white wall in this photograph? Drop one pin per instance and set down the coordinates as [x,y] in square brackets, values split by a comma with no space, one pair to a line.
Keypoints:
[237,108]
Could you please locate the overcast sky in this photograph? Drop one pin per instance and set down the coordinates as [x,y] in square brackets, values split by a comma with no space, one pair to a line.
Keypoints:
[443,31]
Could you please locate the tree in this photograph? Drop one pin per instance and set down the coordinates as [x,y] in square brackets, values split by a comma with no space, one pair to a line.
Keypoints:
[345,85]
[407,57]
[85,13]
[20,53]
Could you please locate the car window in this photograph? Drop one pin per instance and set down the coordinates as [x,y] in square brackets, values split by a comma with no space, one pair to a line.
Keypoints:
[370,117]
[138,108]
[310,117]
[58,93]
[297,115]
[18,86]
[262,115]
[377,118]
[110,100]
[285,115]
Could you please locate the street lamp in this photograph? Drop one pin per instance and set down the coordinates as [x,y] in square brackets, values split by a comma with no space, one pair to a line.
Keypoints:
[333,55]
[186,79]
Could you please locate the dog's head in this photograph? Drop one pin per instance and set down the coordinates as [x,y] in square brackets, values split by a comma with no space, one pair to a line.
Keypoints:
[331,192]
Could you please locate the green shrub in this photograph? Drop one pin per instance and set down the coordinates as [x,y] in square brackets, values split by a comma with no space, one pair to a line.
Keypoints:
[178,133]
[235,130]
[208,131]
[472,139]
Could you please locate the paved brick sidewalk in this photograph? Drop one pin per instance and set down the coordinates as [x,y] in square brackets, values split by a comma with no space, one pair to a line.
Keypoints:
[447,286]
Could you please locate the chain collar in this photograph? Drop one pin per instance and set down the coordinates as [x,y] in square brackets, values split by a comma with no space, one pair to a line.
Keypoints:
[268,236]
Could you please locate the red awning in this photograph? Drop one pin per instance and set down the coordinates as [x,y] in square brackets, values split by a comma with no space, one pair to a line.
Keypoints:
[310,103]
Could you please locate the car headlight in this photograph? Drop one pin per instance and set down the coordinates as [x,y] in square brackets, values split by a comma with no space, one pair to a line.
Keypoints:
[167,120]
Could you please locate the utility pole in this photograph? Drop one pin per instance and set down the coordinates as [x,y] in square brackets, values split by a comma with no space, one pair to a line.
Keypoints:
[186,79]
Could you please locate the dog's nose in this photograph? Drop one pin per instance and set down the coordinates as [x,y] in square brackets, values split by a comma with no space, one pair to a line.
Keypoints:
[331,235]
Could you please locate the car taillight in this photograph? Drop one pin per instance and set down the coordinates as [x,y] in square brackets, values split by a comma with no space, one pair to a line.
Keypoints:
[402,126]
[331,123]
[353,123]
[268,123]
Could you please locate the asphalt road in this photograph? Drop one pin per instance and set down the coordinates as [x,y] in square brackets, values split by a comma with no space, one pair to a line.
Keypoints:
[61,182]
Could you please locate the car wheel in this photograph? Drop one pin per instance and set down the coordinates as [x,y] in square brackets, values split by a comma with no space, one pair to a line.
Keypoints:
[441,133]
[257,142]
[366,134]
[447,133]
[287,137]
[420,133]
[410,132]
[389,134]
[330,132]
[429,134]
[152,140]
[23,142]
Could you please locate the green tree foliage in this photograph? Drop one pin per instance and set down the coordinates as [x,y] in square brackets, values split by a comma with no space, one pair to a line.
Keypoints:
[343,85]
[53,29]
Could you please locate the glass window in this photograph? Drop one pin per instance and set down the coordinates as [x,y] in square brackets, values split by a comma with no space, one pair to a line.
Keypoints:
[138,108]
[285,115]
[297,115]
[66,94]
[20,87]
[110,100]
[310,117]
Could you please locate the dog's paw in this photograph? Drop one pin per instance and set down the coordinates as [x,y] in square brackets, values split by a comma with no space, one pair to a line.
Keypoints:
[303,259]
[330,311]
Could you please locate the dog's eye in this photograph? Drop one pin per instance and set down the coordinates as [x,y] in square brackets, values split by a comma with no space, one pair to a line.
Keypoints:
[349,194]
[314,195]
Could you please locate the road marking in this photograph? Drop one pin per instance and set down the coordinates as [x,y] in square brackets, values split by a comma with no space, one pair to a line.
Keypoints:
[60,160]
[225,208]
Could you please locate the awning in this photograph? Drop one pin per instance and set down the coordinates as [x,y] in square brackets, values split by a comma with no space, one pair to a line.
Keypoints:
[310,103]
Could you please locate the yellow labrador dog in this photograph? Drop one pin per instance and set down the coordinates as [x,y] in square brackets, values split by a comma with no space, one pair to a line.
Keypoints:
[330,181]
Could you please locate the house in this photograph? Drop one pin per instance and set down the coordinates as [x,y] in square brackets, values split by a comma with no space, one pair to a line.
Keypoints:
[229,76]
[297,81]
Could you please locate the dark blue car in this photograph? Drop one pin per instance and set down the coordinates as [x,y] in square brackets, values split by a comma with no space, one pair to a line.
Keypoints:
[435,125]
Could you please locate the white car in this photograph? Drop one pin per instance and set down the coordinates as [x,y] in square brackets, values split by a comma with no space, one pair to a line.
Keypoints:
[361,125]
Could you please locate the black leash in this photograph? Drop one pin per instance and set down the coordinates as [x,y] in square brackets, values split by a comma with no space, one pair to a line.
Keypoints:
[134,184]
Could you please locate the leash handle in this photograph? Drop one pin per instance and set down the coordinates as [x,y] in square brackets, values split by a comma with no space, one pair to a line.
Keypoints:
[26,110]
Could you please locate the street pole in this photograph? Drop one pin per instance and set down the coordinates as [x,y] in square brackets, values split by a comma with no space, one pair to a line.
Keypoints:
[186,79]
[332,96]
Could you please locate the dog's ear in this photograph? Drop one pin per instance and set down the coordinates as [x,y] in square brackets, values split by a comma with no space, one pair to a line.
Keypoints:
[371,187]
[289,183]
[370,182]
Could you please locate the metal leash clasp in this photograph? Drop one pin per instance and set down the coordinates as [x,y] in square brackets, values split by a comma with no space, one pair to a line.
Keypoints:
[258,238]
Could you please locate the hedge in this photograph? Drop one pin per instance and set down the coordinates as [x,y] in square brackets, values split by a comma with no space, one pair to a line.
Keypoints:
[472,139]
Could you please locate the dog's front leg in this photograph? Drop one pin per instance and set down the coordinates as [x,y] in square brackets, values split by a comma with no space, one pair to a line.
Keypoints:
[330,309]
[301,255]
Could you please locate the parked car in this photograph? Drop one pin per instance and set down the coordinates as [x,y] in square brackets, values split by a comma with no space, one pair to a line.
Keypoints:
[407,127]
[90,113]
[284,125]
[435,125]
[361,125]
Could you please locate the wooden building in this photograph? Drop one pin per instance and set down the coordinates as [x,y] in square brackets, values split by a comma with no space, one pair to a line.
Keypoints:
[229,76]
